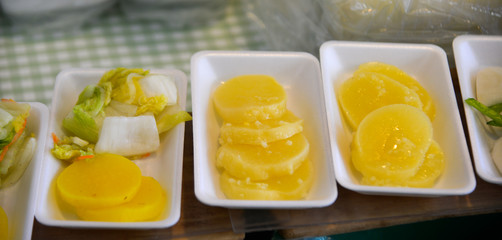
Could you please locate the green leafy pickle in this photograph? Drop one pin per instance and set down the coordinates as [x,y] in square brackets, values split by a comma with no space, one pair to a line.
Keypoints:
[487,111]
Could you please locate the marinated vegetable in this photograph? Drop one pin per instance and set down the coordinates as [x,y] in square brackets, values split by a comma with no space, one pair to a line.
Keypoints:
[122,114]
[17,145]
[148,203]
[103,181]
[4,224]
[264,154]
[390,114]
[109,187]
[489,103]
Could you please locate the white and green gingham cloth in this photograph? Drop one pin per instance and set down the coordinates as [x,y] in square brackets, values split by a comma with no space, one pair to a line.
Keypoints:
[30,62]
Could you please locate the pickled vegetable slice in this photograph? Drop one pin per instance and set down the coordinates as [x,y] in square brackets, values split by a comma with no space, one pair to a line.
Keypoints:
[147,204]
[103,181]
[391,142]
[259,163]
[288,187]
[249,98]
[368,91]
[261,132]
[399,75]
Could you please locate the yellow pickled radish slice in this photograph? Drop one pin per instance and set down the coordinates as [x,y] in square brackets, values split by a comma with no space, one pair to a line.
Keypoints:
[249,98]
[103,181]
[404,78]
[428,172]
[147,204]
[288,187]
[367,91]
[391,142]
[4,225]
[258,163]
[261,132]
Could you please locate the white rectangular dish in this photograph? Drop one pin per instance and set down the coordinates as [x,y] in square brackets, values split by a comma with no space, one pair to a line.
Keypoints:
[165,164]
[19,200]
[429,66]
[473,53]
[300,75]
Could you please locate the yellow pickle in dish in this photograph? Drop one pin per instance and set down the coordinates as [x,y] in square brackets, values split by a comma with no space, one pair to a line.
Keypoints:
[17,144]
[4,224]
[263,153]
[391,116]
[109,187]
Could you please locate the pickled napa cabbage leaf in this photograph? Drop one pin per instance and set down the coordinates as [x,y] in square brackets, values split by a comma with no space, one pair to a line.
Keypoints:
[16,145]
[124,83]
[87,115]
[13,122]
[124,114]
[70,148]
[140,138]
[171,117]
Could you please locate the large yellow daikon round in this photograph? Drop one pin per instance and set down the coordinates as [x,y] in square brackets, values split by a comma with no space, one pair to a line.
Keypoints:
[259,163]
[261,132]
[427,173]
[103,181]
[391,142]
[288,187]
[368,91]
[248,98]
[404,78]
[147,204]
[4,225]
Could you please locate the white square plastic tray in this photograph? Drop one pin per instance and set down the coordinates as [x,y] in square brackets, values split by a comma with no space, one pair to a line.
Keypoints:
[300,75]
[428,64]
[472,53]
[165,165]
[19,200]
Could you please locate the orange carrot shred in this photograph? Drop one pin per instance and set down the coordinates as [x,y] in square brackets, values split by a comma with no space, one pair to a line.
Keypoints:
[7,100]
[18,134]
[55,138]
[85,157]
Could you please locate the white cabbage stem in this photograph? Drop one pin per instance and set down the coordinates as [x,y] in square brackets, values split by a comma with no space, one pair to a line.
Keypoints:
[128,136]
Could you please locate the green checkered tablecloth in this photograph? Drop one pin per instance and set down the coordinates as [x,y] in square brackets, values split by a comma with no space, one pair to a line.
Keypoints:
[30,62]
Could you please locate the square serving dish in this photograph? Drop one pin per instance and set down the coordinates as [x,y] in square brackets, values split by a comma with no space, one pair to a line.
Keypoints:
[429,66]
[472,53]
[19,200]
[165,164]
[300,75]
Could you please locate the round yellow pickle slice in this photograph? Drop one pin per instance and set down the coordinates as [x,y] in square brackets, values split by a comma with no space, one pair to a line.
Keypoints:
[248,98]
[289,187]
[426,176]
[4,225]
[261,132]
[430,170]
[146,205]
[391,142]
[259,163]
[367,91]
[103,181]
[404,78]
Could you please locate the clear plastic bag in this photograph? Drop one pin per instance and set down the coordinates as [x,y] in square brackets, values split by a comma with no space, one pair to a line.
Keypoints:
[305,25]
[41,15]
[175,13]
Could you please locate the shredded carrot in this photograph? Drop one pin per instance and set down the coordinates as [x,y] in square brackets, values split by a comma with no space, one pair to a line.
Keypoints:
[7,100]
[85,157]
[145,155]
[55,138]
[18,134]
